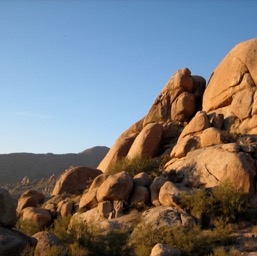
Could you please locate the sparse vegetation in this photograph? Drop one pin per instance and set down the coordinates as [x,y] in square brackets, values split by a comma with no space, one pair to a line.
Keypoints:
[28,227]
[135,165]
[224,201]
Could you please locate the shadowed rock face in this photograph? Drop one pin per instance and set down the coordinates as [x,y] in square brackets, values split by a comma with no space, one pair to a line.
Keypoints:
[152,135]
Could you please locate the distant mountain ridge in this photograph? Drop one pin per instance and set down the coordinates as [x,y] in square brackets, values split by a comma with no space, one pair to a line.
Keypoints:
[15,166]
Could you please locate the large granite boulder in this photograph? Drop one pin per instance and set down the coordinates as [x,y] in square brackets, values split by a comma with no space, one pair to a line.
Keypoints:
[75,180]
[115,187]
[215,164]
[147,143]
[232,89]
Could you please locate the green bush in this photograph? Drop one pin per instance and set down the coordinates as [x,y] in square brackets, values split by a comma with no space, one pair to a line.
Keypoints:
[227,201]
[60,228]
[224,201]
[91,241]
[135,165]
[28,227]
[189,241]
[195,202]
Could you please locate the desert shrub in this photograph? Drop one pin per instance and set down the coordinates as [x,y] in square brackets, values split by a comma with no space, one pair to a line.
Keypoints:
[195,202]
[28,227]
[188,240]
[145,237]
[224,201]
[227,201]
[164,159]
[90,240]
[219,251]
[60,228]
[135,165]
[222,231]
[77,250]
[57,251]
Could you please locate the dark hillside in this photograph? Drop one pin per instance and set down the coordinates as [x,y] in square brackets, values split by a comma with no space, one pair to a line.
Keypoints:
[14,166]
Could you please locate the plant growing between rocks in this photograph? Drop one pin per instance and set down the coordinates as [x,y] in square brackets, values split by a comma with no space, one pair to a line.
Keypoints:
[135,165]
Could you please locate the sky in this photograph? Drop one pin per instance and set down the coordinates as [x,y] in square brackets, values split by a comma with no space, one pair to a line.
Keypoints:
[75,74]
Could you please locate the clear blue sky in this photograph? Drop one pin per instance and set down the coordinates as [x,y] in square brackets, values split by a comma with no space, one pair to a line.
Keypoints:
[76,74]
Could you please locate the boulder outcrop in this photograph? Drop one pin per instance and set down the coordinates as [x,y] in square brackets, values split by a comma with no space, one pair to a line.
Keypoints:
[152,135]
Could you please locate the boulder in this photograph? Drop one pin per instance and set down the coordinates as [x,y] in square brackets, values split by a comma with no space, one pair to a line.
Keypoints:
[7,212]
[160,217]
[119,150]
[170,193]
[97,182]
[37,215]
[30,198]
[185,145]
[215,164]
[198,123]
[180,82]
[140,196]
[115,187]
[105,209]
[183,108]
[147,142]
[211,136]
[47,240]
[142,179]
[66,208]
[13,242]
[155,188]
[88,200]
[164,250]
[52,208]
[75,180]
[232,88]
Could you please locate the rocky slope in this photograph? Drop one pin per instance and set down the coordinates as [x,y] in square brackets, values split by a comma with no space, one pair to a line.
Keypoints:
[14,167]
